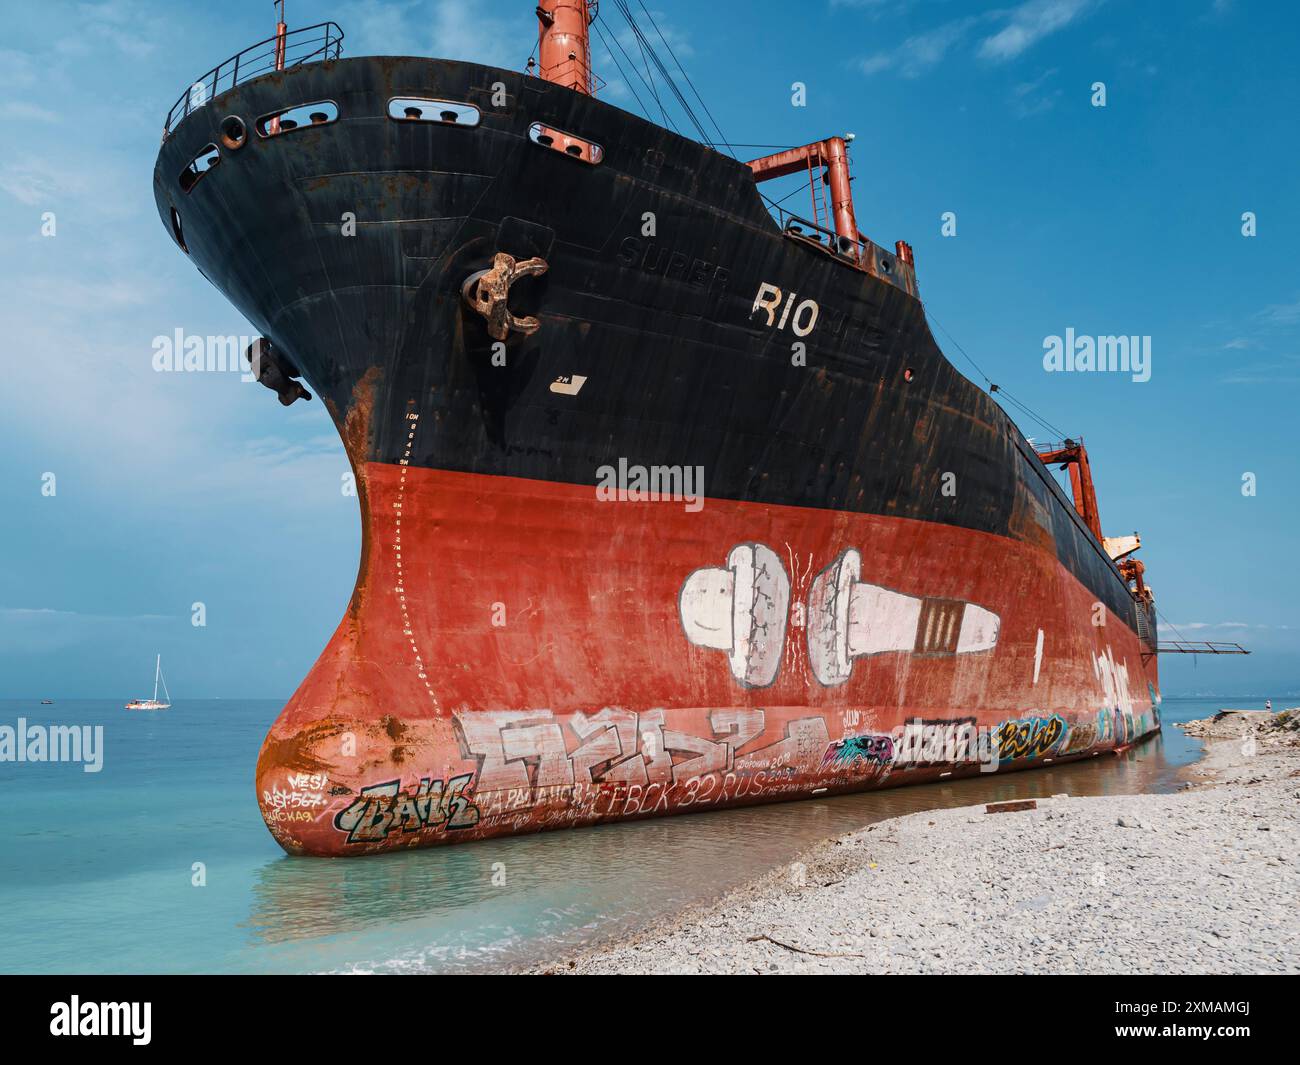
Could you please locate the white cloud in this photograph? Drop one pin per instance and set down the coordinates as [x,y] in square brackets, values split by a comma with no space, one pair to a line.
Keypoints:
[920,52]
[1283,313]
[1022,27]
[876,63]
[17,70]
[38,182]
[445,29]
[1029,24]
[23,111]
[678,41]
[28,631]
[126,25]
[1203,626]
[1035,97]
[108,293]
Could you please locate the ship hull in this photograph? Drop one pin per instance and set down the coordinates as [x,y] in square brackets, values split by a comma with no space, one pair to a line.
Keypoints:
[867,578]
[518,656]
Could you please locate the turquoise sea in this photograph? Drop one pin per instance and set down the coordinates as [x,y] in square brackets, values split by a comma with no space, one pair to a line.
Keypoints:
[96,869]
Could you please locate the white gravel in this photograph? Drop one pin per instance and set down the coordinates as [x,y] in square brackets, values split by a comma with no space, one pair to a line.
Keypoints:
[1202,881]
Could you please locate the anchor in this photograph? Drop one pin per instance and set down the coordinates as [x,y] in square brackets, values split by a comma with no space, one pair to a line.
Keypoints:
[273,369]
[487,291]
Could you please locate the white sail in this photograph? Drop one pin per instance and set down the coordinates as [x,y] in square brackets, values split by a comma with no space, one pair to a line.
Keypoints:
[153,704]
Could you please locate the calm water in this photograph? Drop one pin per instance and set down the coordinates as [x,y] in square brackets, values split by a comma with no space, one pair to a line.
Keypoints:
[95,869]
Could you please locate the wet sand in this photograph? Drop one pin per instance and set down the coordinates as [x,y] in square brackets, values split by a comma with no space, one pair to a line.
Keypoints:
[1202,880]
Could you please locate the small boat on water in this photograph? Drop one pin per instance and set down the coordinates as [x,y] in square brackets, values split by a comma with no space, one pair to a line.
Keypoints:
[153,704]
[47,702]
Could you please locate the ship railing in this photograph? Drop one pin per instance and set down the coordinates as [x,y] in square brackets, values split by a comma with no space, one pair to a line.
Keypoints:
[862,253]
[797,226]
[310,44]
[1201,647]
[1146,634]
[1052,447]
[572,70]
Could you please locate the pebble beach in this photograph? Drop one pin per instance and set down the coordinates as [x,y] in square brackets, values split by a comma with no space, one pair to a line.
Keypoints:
[1203,880]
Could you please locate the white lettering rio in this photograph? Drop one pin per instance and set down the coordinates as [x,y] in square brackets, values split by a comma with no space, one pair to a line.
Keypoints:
[801,322]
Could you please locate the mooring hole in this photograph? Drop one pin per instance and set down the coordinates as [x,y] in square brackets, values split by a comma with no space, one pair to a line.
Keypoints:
[205,160]
[320,113]
[233,132]
[438,112]
[570,144]
[178,231]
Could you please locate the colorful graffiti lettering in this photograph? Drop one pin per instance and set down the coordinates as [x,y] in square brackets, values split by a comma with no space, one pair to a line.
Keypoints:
[937,742]
[1124,731]
[383,808]
[1081,737]
[305,791]
[521,753]
[874,753]
[1029,737]
[1113,677]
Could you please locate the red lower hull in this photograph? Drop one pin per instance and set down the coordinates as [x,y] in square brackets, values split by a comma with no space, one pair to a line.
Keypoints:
[519,655]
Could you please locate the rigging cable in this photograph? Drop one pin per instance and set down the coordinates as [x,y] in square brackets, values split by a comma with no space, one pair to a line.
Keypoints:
[612,38]
[1161,616]
[649,80]
[802,187]
[722,138]
[682,102]
[614,59]
[995,388]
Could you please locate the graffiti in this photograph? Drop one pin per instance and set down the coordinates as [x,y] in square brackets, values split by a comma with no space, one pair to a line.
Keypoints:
[1122,728]
[937,742]
[384,808]
[1029,737]
[1080,738]
[1113,678]
[875,754]
[279,799]
[741,609]
[277,815]
[848,619]
[522,755]
[305,792]
[531,769]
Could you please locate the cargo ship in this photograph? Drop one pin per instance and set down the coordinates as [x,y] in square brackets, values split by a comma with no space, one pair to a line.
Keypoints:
[670,501]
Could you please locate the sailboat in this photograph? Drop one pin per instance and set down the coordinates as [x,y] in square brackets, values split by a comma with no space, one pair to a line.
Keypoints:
[153,704]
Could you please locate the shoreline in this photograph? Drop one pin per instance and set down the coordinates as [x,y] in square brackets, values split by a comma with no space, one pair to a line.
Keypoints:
[1200,880]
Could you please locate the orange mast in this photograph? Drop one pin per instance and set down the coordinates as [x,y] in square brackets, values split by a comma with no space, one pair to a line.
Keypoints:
[1074,456]
[833,154]
[564,44]
[281,35]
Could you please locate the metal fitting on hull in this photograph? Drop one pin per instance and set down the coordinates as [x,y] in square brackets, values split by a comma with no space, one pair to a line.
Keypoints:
[488,293]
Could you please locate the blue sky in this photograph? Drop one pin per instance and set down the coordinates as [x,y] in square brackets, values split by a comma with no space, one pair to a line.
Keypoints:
[181,488]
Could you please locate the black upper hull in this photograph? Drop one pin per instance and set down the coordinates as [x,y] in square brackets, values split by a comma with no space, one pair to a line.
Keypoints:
[680,369]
